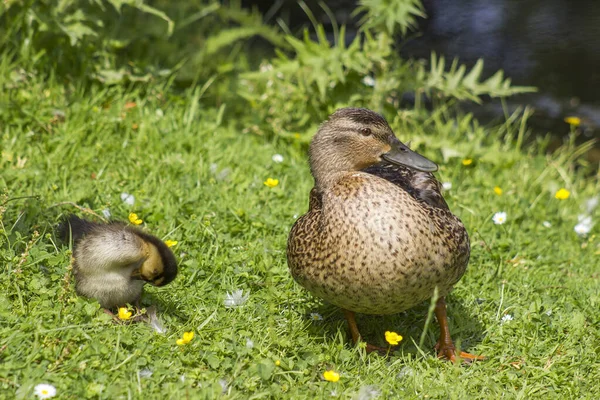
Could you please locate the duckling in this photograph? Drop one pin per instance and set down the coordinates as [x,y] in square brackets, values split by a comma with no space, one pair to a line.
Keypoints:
[378,237]
[113,261]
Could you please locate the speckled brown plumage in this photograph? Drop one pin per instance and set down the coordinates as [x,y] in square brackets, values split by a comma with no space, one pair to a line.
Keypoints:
[369,246]
[378,237]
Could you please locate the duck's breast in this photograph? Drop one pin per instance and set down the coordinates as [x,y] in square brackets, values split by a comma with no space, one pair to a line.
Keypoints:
[381,250]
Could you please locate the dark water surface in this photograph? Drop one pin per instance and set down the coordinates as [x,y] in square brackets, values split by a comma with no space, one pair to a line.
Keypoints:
[551,44]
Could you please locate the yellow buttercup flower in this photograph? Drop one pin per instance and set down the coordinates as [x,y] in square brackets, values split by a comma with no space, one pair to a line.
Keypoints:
[331,376]
[187,337]
[562,194]
[171,243]
[134,219]
[467,161]
[278,363]
[498,190]
[124,314]
[392,338]
[270,182]
[573,121]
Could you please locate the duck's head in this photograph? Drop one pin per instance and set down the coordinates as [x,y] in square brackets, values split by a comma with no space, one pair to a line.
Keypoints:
[159,266]
[355,138]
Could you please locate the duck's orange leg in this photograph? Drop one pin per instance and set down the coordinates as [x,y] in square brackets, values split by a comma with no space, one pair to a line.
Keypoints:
[356,334]
[445,346]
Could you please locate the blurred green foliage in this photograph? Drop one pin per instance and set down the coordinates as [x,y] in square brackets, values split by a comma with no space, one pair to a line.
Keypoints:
[208,43]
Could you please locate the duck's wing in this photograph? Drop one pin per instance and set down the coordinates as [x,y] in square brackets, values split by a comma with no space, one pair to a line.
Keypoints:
[421,185]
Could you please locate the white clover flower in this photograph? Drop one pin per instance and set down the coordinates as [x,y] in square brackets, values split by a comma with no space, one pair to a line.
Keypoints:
[406,371]
[128,199]
[447,185]
[159,113]
[316,316]
[44,391]
[265,67]
[249,344]
[591,204]
[368,392]
[236,298]
[224,385]
[278,158]
[106,213]
[368,81]
[584,226]
[507,318]
[547,224]
[145,373]
[499,218]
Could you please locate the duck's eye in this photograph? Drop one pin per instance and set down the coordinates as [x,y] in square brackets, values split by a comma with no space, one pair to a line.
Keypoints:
[365,131]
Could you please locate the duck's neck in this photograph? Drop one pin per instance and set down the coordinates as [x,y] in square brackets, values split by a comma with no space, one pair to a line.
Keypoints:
[327,167]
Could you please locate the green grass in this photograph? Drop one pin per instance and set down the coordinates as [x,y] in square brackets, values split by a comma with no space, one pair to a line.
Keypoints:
[198,179]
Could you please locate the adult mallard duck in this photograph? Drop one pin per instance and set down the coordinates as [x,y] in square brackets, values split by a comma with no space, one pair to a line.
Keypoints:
[378,237]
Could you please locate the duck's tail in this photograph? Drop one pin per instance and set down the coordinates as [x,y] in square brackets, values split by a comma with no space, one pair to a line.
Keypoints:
[73,227]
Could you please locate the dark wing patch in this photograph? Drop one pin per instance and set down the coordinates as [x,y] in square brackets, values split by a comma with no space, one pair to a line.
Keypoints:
[73,227]
[421,185]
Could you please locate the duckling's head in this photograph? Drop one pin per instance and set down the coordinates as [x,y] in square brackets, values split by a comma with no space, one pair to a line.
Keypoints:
[355,138]
[160,266]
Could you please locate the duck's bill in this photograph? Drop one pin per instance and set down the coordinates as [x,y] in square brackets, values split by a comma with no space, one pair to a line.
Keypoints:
[400,154]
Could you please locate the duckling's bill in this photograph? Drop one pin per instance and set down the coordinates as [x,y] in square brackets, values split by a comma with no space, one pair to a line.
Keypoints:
[400,154]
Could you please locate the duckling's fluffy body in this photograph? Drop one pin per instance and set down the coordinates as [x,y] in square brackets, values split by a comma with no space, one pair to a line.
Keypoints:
[112,262]
[104,263]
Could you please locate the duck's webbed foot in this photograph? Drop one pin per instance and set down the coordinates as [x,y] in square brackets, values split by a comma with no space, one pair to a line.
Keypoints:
[445,347]
[370,348]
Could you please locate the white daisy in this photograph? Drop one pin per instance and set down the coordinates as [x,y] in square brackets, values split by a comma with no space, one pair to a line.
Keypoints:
[584,226]
[447,185]
[368,81]
[368,392]
[44,390]
[316,316]
[507,318]
[278,158]
[499,218]
[236,298]
[127,198]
